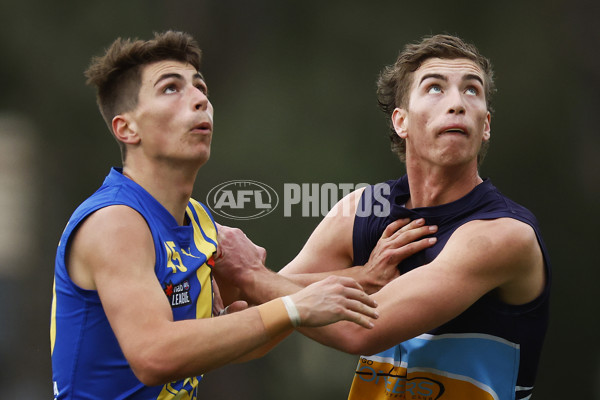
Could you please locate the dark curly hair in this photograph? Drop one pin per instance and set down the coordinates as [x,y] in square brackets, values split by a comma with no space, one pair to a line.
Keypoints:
[394,82]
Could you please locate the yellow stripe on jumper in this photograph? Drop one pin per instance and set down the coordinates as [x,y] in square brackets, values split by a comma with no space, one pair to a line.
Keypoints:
[206,225]
[53,319]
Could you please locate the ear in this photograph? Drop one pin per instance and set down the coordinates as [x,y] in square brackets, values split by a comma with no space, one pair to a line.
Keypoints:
[124,129]
[487,128]
[400,121]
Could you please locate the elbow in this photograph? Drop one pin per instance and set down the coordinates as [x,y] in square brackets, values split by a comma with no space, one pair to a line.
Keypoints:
[154,369]
[147,377]
[362,349]
[356,343]
[357,348]
[150,371]
[363,341]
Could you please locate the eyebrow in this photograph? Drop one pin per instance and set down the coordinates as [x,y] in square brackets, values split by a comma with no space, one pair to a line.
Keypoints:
[196,76]
[467,77]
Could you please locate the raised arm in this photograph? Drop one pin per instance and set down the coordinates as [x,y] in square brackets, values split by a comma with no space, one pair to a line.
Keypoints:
[113,253]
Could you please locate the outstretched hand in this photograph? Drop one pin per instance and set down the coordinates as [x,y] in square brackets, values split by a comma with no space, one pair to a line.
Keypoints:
[334,299]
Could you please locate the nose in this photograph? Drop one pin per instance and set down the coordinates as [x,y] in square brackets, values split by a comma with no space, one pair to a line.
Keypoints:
[200,100]
[456,103]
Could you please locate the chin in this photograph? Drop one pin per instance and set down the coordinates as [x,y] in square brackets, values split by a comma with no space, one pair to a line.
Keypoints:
[204,158]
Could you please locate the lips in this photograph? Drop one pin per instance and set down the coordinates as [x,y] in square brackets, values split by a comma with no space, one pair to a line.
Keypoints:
[454,129]
[203,127]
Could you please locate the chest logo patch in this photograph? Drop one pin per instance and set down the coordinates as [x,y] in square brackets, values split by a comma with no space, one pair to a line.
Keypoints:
[179,294]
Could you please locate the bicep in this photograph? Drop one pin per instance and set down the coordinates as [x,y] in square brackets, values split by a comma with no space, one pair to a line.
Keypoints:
[116,247]
[329,247]
[474,261]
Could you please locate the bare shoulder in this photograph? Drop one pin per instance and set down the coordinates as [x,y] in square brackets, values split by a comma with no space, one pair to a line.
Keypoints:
[498,232]
[504,252]
[114,224]
[341,215]
[111,233]
[331,241]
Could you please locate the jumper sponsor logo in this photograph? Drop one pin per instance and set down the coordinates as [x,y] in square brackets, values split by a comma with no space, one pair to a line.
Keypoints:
[242,199]
[396,383]
[178,295]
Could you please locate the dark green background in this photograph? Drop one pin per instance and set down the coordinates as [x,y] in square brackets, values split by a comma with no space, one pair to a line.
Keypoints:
[292,84]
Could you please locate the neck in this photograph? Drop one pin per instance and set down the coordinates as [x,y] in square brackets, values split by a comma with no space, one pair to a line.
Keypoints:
[171,187]
[436,186]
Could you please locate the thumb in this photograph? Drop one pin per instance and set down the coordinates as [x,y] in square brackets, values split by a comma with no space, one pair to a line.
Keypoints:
[235,307]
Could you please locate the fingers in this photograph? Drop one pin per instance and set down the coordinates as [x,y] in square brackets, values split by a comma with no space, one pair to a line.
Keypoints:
[360,308]
[217,300]
[359,319]
[412,231]
[394,226]
[402,243]
[403,226]
[405,251]
[357,303]
[357,294]
[334,299]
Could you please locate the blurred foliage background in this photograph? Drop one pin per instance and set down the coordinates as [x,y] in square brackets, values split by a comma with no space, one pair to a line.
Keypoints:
[293,86]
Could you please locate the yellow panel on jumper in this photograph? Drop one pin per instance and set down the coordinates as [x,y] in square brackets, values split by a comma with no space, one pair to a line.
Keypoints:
[376,380]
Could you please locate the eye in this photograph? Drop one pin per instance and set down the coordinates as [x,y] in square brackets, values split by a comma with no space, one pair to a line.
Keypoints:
[203,89]
[434,89]
[170,89]
[472,91]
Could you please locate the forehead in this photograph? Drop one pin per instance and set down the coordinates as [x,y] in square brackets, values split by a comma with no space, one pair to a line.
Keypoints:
[458,67]
[153,72]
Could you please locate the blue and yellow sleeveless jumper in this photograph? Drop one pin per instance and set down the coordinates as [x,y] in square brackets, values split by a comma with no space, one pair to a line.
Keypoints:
[87,361]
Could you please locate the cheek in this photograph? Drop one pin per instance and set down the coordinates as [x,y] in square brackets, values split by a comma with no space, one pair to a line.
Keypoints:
[483,122]
[418,122]
[158,119]
[154,126]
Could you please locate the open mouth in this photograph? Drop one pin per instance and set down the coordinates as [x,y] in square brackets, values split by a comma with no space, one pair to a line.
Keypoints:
[455,130]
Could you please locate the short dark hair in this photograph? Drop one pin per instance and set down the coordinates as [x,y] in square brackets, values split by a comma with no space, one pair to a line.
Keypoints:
[393,85]
[117,74]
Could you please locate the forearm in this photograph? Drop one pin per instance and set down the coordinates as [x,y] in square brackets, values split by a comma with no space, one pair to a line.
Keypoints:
[210,344]
[264,349]
[359,273]
[262,285]
[342,336]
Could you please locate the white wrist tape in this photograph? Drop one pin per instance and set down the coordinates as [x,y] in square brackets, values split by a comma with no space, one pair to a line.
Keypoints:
[291,310]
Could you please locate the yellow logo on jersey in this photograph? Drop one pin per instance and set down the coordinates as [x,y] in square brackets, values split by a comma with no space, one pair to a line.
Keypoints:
[188,391]
[174,258]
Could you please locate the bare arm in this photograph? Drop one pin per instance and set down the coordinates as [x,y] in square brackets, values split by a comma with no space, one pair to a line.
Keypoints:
[113,253]
[327,252]
[501,255]
[401,239]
